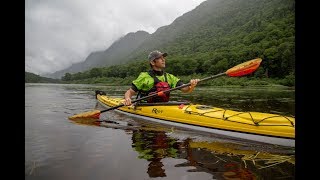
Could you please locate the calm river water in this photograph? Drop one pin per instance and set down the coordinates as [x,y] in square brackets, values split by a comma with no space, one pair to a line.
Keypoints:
[57,148]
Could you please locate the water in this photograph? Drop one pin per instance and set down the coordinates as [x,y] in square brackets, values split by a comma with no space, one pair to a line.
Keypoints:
[130,148]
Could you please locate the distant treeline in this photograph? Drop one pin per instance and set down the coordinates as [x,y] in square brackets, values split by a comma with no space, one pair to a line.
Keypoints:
[34,78]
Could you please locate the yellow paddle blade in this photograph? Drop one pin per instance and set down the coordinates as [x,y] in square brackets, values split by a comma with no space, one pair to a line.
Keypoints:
[90,114]
[86,121]
[244,68]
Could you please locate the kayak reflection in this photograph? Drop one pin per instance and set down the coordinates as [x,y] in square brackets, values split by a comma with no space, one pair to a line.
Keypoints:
[220,158]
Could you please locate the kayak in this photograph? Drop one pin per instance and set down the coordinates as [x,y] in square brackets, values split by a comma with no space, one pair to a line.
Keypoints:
[255,126]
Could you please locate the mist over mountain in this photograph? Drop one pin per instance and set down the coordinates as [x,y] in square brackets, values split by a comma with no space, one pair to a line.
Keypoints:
[239,29]
[115,54]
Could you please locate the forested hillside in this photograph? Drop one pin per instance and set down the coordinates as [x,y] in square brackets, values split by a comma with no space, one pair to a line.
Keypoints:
[34,78]
[215,36]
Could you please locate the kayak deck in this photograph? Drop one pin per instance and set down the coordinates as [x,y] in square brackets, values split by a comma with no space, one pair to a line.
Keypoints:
[263,127]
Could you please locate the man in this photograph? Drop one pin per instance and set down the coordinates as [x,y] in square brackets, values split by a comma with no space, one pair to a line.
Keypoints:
[156,80]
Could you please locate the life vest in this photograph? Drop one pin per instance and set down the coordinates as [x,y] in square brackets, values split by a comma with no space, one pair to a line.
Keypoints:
[157,87]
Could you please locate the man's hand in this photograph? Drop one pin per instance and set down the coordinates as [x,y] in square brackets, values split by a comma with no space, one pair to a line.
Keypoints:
[127,97]
[194,82]
[127,101]
[189,89]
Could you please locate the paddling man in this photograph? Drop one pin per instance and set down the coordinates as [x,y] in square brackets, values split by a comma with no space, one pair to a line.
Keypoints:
[156,80]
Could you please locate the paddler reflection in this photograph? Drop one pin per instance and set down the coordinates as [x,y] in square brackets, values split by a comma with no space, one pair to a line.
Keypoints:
[154,146]
[222,160]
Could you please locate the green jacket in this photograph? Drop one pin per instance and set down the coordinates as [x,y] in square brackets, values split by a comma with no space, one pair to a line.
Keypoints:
[145,82]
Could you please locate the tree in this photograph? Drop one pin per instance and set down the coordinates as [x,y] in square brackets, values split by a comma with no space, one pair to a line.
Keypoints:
[67,77]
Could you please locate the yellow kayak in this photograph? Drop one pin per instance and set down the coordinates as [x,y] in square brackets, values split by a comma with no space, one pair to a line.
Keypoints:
[263,127]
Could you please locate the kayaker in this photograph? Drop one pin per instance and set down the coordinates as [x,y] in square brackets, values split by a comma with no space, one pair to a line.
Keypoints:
[156,80]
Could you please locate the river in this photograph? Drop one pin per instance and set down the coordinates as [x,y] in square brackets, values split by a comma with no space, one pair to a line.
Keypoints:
[57,148]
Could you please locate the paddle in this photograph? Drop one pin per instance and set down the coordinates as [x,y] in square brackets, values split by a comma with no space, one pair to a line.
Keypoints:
[236,71]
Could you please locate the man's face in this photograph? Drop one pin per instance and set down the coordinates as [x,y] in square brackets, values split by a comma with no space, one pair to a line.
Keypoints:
[160,62]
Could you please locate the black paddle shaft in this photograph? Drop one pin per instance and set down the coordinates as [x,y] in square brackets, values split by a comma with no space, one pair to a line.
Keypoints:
[156,94]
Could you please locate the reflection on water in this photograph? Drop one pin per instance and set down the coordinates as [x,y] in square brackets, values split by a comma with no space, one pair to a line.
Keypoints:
[86,122]
[224,163]
[57,148]
[223,160]
[154,146]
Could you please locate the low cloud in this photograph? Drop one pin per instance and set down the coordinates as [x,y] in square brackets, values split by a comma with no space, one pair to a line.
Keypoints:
[59,33]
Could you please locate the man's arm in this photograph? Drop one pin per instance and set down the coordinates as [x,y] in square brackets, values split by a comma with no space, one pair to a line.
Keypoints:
[127,96]
[193,84]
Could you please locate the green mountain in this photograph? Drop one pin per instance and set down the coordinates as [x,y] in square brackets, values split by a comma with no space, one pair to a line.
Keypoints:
[34,78]
[216,35]
[115,54]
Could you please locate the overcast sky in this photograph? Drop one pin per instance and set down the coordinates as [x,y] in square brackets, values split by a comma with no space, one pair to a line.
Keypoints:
[61,32]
